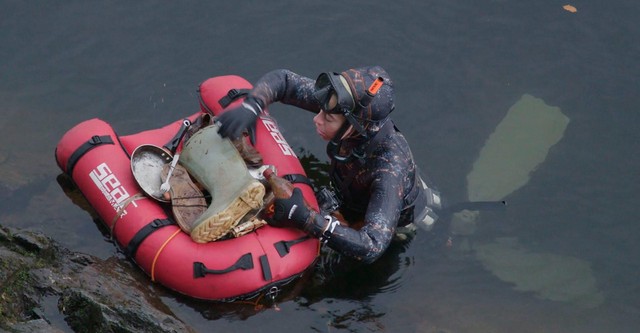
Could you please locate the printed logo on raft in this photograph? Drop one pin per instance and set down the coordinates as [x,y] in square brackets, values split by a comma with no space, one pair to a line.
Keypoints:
[110,187]
[276,135]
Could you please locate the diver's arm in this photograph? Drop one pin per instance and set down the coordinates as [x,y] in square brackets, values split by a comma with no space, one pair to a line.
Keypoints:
[287,87]
[276,86]
[369,242]
[366,244]
[388,174]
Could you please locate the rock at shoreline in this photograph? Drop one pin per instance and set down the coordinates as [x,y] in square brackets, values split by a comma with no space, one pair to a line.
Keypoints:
[46,288]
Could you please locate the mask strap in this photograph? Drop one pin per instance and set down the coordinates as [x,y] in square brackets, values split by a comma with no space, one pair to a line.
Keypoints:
[333,147]
[363,103]
[352,120]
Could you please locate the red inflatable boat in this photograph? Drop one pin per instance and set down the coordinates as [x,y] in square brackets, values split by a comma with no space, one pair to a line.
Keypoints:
[98,160]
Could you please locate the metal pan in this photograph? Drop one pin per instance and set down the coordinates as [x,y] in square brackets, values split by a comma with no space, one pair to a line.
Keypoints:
[147,162]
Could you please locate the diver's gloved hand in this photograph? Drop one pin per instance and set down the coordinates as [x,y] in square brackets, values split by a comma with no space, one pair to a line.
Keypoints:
[291,212]
[234,121]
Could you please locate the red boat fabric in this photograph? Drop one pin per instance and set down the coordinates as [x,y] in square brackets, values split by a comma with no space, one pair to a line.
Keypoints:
[99,162]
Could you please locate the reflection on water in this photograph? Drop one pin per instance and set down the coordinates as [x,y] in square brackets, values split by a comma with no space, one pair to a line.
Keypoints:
[360,314]
[317,171]
[338,277]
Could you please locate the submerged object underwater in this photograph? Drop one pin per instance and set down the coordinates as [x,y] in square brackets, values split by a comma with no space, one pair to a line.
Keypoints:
[518,145]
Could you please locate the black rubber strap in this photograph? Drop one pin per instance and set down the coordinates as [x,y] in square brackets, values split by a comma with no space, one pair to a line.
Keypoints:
[231,96]
[297,178]
[284,247]
[266,269]
[143,233]
[94,142]
[245,262]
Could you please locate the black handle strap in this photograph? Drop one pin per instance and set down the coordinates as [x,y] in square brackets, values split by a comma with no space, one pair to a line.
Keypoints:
[284,247]
[94,142]
[143,233]
[232,95]
[296,178]
[244,263]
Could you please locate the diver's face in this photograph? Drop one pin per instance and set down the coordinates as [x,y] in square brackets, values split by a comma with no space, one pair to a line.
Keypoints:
[328,124]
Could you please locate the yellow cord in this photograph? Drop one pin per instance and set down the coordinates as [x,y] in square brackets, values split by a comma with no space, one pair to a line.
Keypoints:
[153,265]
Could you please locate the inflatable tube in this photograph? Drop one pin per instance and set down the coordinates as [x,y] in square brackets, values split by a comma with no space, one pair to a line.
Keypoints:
[98,160]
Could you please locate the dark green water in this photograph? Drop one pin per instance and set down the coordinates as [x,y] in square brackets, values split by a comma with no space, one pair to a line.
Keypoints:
[458,67]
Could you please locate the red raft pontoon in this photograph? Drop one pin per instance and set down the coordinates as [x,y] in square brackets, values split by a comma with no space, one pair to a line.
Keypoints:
[98,160]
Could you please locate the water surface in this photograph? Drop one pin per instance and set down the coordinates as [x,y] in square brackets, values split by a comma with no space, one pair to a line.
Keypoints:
[458,67]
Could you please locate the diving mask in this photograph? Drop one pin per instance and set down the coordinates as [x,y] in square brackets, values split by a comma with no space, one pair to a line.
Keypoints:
[333,93]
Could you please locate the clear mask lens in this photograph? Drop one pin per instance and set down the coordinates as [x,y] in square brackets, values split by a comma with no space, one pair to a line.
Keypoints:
[331,103]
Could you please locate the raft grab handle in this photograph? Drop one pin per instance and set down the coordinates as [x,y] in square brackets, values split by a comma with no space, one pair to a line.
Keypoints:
[284,247]
[245,262]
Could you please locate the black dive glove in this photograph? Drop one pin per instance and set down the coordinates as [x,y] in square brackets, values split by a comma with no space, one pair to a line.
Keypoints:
[291,212]
[234,121]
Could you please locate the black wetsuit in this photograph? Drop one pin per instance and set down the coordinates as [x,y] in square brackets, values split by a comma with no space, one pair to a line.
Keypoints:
[379,193]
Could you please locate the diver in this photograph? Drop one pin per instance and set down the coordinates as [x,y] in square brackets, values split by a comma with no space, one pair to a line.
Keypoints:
[376,187]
